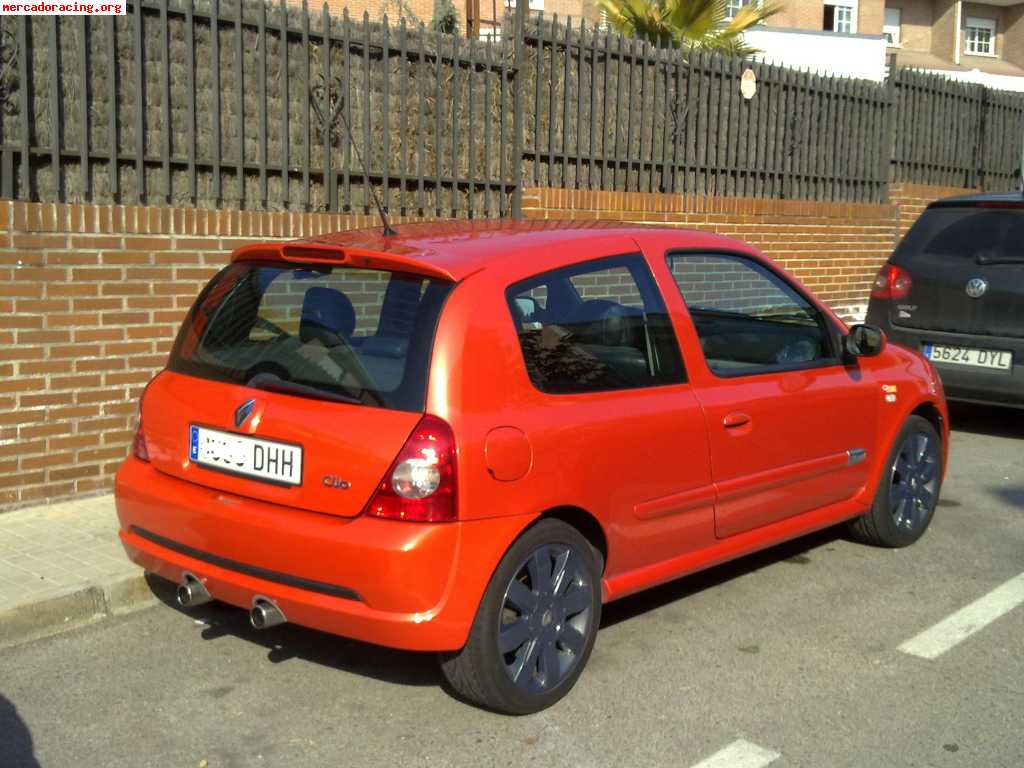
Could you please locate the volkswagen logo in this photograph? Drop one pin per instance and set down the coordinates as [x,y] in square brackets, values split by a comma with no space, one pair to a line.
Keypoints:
[243,412]
[976,287]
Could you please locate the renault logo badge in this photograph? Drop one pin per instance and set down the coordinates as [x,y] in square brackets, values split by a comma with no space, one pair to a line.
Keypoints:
[976,287]
[243,412]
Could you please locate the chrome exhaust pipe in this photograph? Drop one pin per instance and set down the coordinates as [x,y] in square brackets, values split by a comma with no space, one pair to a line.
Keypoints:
[265,613]
[192,591]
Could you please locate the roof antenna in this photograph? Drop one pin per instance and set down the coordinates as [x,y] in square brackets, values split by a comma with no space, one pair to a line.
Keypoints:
[388,231]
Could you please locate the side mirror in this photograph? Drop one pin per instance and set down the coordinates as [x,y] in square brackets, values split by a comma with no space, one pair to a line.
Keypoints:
[864,341]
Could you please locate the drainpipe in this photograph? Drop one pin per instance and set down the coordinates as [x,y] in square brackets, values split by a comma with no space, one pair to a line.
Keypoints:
[956,37]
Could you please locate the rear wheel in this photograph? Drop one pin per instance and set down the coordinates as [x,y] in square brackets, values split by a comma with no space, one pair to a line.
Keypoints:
[909,490]
[536,624]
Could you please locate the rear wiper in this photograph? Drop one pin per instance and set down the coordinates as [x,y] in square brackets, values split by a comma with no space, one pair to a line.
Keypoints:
[271,383]
[983,260]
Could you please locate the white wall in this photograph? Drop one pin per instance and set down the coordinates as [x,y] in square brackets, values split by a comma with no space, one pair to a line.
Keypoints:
[860,56]
[999,82]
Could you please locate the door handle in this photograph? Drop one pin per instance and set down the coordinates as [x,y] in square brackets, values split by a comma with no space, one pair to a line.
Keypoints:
[735,419]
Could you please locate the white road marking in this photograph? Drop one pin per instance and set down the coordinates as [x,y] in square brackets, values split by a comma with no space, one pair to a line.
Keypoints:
[740,754]
[936,640]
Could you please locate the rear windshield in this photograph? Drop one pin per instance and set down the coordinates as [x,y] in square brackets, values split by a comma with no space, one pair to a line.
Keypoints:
[336,333]
[984,235]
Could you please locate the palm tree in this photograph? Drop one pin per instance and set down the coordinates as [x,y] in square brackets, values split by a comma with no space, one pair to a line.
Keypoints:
[689,23]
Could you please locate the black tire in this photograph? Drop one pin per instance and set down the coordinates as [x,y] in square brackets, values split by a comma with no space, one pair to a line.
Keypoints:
[556,635]
[908,491]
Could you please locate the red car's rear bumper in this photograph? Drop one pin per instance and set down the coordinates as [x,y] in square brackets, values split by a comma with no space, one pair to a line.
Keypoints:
[406,585]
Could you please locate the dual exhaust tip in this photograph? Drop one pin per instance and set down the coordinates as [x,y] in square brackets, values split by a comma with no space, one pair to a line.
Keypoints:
[264,614]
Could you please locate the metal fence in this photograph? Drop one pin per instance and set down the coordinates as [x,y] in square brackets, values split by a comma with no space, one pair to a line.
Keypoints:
[249,105]
[609,112]
[955,134]
[234,103]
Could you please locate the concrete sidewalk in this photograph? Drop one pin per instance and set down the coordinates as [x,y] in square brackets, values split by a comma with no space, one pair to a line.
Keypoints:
[62,566]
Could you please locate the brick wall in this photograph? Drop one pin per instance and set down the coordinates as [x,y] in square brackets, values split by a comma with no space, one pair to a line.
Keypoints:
[911,200]
[944,28]
[91,297]
[834,248]
[1013,50]
[915,24]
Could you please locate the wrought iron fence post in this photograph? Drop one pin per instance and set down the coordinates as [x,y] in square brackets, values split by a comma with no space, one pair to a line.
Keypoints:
[517,109]
[887,150]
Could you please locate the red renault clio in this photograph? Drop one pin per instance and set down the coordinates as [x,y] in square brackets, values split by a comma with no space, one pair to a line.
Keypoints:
[467,437]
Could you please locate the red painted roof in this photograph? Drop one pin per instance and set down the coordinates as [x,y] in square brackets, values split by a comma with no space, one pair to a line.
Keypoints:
[457,248]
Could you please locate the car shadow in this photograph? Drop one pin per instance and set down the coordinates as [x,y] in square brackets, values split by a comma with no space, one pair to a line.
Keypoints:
[16,749]
[988,420]
[291,641]
[793,552]
[1012,496]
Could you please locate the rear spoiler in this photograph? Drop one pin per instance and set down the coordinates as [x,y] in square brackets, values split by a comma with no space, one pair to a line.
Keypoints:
[321,253]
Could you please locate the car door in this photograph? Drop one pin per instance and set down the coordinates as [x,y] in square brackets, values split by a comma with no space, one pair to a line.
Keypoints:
[789,424]
[614,424]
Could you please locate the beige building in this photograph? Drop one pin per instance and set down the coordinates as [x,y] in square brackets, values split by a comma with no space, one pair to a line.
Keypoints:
[980,42]
[957,37]
[486,13]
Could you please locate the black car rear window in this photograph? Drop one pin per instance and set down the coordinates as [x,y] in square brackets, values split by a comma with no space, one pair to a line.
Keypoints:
[358,335]
[985,235]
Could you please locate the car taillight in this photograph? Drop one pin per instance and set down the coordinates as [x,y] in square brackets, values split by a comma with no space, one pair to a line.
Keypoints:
[139,450]
[420,485]
[891,282]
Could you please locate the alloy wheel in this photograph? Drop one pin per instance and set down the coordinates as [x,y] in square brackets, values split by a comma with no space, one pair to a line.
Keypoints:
[546,617]
[914,485]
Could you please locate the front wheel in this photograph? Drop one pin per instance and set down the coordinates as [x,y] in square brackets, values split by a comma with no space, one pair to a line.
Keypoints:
[536,624]
[909,489]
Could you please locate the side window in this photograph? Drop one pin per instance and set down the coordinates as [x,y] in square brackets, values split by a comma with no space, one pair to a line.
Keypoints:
[595,327]
[748,318]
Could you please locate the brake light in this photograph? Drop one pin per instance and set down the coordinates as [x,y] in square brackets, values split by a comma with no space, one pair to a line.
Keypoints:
[891,282]
[139,450]
[420,484]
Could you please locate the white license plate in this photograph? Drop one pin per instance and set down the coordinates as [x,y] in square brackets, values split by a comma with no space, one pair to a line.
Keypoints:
[979,358]
[250,456]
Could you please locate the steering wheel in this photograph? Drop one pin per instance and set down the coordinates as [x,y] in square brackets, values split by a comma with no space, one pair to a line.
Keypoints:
[268,366]
[268,325]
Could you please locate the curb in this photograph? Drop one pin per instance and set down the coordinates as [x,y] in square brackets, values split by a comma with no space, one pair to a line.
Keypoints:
[76,607]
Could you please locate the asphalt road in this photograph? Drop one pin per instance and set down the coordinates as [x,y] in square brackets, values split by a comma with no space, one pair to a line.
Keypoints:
[795,650]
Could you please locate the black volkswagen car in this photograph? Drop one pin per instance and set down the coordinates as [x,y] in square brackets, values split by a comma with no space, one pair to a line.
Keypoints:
[954,289]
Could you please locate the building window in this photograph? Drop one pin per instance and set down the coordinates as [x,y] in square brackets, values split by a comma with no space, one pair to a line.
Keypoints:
[891,28]
[840,18]
[981,36]
[733,7]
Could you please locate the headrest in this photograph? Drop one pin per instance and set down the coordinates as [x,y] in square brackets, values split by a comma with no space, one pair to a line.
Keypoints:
[327,315]
[600,321]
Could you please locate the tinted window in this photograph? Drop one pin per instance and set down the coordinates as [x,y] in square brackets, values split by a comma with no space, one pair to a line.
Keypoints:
[747,317]
[595,326]
[981,234]
[317,331]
